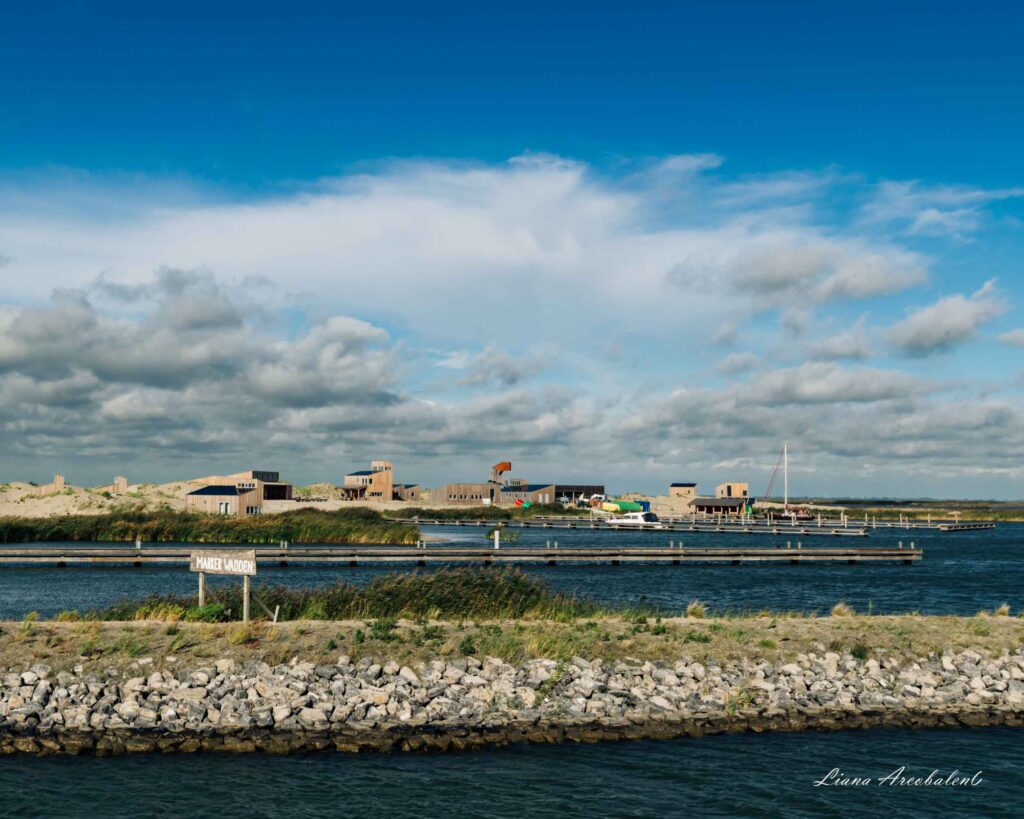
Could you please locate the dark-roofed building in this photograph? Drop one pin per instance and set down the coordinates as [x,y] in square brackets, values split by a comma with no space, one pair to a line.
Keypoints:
[532,492]
[572,492]
[407,491]
[266,482]
[685,491]
[377,484]
[719,506]
[225,499]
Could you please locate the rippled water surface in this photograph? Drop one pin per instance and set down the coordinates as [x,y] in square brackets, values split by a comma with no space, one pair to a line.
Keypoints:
[744,775]
[960,573]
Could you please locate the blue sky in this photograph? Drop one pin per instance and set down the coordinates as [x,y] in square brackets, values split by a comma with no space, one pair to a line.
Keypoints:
[922,90]
[630,244]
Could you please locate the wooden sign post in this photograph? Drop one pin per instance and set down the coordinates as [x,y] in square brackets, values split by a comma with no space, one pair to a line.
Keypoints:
[225,562]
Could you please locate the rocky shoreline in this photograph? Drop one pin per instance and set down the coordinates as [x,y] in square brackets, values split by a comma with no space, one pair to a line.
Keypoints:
[465,703]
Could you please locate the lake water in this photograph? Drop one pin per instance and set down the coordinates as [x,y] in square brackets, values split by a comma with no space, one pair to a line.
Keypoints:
[765,775]
[960,574]
[745,775]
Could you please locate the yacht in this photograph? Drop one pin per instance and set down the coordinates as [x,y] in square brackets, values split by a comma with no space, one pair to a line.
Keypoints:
[646,520]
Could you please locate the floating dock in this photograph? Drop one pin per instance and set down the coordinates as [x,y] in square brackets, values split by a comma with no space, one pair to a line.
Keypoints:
[668,526]
[267,557]
[964,527]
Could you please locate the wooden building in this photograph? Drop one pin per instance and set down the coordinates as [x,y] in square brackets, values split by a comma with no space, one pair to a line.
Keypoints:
[268,483]
[732,490]
[221,499]
[719,506]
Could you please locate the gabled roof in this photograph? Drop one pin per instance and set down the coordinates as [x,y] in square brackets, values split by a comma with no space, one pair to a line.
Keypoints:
[220,490]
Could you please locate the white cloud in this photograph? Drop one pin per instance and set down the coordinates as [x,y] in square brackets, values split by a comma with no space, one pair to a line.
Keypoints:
[1014,338]
[462,243]
[849,344]
[492,367]
[824,383]
[300,328]
[947,210]
[947,323]
[738,363]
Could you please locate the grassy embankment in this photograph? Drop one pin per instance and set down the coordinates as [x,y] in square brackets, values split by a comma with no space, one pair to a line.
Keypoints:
[488,513]
[965,511]
[358,525]
[473,612]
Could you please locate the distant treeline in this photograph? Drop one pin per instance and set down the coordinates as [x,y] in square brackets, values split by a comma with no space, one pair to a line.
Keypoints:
[495,513]
[357,525]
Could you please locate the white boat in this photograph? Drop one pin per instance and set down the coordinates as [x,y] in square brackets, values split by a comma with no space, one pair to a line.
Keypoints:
[646,520]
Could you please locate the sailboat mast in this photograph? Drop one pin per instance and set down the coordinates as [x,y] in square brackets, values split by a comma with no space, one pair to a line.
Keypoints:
[785,474]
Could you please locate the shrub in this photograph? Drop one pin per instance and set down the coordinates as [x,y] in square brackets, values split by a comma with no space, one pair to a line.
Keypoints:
[840,609]
[696,609]
[860,651]
[451,593]
[466,646]
[28,624]
[210,613]
[1003,610]
[383,629]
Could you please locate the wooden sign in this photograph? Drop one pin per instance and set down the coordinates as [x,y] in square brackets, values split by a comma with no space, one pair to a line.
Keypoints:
[224,562]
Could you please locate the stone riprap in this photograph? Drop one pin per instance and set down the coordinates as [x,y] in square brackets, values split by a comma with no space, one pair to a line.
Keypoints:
[461,703]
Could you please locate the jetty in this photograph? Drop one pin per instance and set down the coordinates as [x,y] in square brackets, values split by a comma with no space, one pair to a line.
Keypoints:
[267,556]
[719,527]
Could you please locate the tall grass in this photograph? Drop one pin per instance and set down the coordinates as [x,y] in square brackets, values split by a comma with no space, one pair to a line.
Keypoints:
[357,525]
[449,594]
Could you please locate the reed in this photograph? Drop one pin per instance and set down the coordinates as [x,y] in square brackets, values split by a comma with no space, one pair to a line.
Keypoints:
[495,513]
[449,594]
[357,525]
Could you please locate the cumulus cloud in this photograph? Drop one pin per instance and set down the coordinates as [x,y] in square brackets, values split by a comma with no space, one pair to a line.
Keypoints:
[784,267]
[1014,338]
[492,367]
[947,323]
[738,363]
[299,329]
[472,241]
[849,344]
[821,383]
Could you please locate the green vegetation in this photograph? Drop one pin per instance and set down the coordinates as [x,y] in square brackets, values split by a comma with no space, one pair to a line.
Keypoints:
[922,510]
[357,525]
[460,592]
[100,645]
[495,513]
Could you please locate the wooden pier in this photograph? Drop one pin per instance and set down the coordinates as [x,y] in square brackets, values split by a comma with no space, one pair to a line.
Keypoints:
[267,557]
[964,527]
[685,526]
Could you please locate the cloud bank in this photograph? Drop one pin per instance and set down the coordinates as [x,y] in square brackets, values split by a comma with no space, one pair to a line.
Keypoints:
[448,314]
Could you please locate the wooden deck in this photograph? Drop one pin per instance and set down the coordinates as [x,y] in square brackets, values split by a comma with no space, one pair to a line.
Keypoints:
[383,555]
[586,523]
